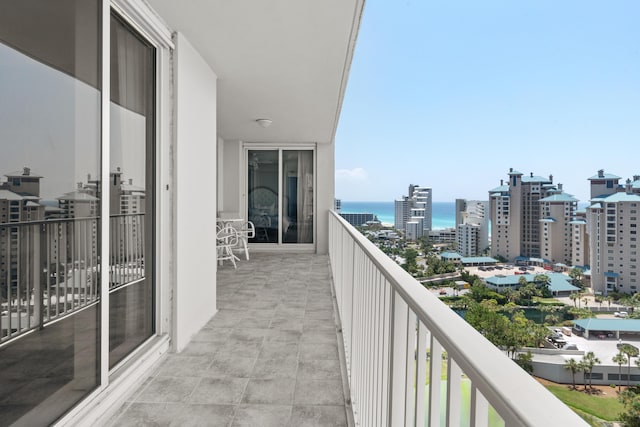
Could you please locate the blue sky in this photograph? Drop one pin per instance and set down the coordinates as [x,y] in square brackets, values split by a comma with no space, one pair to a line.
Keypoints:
[451,94]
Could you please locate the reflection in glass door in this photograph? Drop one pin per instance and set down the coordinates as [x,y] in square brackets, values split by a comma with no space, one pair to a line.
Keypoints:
[263,195]
[297,218]
[280,199]
[131,183]
[49,205]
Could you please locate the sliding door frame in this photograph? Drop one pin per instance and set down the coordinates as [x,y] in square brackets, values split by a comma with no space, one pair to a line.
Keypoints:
[244,201]
[159,37]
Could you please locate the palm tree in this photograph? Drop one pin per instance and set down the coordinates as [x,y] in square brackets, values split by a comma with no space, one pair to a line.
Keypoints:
[609,298]
[574,367]
[573,297]
[620,359]
[542,281]
[599,299]
[576,274]
[630,351]
[589,360]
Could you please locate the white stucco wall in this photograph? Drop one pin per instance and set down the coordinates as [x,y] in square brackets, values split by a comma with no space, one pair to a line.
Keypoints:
[194,293]
[232,171]
[325,179]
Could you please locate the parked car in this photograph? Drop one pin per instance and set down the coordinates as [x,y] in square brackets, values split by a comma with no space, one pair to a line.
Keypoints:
[621,314]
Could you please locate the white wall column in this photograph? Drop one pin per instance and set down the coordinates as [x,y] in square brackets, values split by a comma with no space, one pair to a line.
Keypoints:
[194,296]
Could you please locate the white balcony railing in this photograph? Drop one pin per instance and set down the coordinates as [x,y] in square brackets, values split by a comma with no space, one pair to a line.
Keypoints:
[50,268]
[397,335]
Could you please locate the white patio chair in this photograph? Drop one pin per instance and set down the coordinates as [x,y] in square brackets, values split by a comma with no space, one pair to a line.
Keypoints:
[245,232]
[227,239]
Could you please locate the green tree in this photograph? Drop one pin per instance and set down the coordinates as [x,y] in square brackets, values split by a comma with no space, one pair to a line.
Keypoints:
[629,351]
[576,275]
[631,402]
[527,292]
[551,319]
[573,366]
[524,361]
[547,314]
[542,281]
[589,360]
[609,298]
[620,359]
[573,297]
[599,299]
[410,264]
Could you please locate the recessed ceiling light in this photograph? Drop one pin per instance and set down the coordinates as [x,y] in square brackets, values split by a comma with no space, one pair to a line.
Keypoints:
[265,123]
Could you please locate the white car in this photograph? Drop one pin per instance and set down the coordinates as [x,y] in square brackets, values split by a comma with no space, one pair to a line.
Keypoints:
[621,314]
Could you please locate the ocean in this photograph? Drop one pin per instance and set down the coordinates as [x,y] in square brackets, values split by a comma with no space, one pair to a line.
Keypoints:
[443,213]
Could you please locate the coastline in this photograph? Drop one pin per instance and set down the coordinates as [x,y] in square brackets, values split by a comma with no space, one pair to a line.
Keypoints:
[443,213]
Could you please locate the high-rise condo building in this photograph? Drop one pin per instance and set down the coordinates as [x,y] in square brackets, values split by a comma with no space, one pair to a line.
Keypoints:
[401,212]
[422,205]
[612,221]
[515,212]
[580,240]
[472,226]
[416,207]
[557,211]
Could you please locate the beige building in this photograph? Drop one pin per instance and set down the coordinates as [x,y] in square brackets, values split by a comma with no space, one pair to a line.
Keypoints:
[472,226]
[579,240]
[612,222]
[516,211]
[556,214]
[19,204]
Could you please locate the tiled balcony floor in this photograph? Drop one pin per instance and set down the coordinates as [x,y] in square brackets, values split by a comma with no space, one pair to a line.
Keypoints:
[268,358]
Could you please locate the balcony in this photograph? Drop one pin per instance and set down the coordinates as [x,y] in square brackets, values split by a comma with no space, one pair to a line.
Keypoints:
[268,357]
[277,353]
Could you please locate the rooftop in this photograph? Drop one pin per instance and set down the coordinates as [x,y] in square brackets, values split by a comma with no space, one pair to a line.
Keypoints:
[562,197]
[604,176]
[622,325]
[557,282]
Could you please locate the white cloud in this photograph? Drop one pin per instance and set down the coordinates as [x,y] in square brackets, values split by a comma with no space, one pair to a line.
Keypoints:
[355,174]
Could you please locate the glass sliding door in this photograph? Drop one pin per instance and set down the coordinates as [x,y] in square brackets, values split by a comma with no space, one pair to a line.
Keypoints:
[49,206]
[263,190]
[297,218]
[131,183]
[280,199]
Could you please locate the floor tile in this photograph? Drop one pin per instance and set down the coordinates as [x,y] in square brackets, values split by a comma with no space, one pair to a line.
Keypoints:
[278,391]
[148,414]
[219,390]
[275,368]
[318,416]
[197,415]
[308,351]
[279,350]
[319,369]
[318,392]
[269,357]
[224,365]
[262,416]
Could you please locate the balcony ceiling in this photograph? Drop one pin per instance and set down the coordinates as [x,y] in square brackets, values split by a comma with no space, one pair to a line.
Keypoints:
[286,60]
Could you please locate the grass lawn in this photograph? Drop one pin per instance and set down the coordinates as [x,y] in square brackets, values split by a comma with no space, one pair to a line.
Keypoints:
[547,301]
[605,407]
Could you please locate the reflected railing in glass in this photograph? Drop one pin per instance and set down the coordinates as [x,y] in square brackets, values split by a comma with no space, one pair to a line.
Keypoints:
[50,269]
[126,251]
